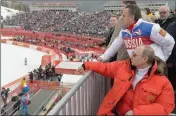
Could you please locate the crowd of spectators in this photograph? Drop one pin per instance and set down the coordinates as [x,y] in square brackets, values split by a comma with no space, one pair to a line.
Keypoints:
[94,24]
[40,20]
[63,46]
[42,74]
[88,23]
[84,57]
[73,56]
[82,23]
[55,44]
[67,49]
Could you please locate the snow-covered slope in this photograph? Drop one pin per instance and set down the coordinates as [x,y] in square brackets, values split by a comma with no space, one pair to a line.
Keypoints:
[8,12]
[71,78]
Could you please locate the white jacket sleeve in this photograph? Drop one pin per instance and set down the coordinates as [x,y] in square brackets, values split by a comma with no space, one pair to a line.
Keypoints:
[113,49]
[164,39]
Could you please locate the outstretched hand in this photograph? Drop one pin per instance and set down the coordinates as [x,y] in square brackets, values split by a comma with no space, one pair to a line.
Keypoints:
[80,70]
[100,59]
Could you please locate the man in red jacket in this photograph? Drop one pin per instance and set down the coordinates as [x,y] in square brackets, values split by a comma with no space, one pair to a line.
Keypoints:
[140,86]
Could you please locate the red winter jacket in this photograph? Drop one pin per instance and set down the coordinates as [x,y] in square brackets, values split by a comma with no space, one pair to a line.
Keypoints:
[153,95]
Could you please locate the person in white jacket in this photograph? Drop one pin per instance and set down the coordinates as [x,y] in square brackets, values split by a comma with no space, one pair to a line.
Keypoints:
[139,32]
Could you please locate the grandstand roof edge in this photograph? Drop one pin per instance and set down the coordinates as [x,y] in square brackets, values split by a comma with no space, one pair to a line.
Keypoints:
[60,3]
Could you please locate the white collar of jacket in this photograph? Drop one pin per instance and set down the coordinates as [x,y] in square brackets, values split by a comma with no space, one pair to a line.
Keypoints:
[135,25]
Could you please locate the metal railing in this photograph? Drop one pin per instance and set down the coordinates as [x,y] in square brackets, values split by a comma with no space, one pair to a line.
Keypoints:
[45,102]
[84,98]
[11,110]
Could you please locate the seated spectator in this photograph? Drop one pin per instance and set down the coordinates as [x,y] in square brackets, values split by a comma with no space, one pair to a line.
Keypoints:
[140,85]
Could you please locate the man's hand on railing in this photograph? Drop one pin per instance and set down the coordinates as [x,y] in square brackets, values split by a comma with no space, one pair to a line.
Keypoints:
[100,59]
[80,70]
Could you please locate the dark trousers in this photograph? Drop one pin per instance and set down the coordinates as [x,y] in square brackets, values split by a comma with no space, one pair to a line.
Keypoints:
[172,79]
[172,76]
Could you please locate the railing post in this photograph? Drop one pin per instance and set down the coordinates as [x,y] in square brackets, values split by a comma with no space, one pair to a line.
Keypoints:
[84,98]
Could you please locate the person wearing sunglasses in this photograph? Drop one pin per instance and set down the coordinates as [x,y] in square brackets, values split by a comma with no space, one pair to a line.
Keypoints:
[140,85]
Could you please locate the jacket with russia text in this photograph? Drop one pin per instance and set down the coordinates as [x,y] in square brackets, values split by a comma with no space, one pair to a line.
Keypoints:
[153,95]
[142,33]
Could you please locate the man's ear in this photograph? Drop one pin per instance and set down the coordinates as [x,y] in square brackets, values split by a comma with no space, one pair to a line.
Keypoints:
[133,17]
[145,58]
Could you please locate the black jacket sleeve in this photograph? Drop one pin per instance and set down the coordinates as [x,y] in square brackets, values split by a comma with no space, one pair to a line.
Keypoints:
[172,31]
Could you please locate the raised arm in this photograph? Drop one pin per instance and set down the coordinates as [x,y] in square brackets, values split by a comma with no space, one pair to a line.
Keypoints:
[164,39]
[105,69]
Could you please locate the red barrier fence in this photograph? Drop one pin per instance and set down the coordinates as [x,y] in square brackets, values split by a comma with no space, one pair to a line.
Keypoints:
[63,37]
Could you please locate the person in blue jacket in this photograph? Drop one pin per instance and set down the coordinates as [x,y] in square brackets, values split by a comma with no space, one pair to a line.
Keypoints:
[25,101]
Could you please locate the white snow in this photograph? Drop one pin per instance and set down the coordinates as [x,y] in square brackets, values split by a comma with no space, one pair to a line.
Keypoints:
[5,37]
[70,78]
[84,52]
[8,12]
[64,57]
[12,62]
[69,65]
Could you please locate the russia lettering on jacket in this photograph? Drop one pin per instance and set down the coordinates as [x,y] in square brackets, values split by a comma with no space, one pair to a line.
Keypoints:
[142,33]
[135,42]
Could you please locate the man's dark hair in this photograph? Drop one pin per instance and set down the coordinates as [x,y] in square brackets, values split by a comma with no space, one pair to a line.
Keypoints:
[135,11]
[113,15]
[129,2]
